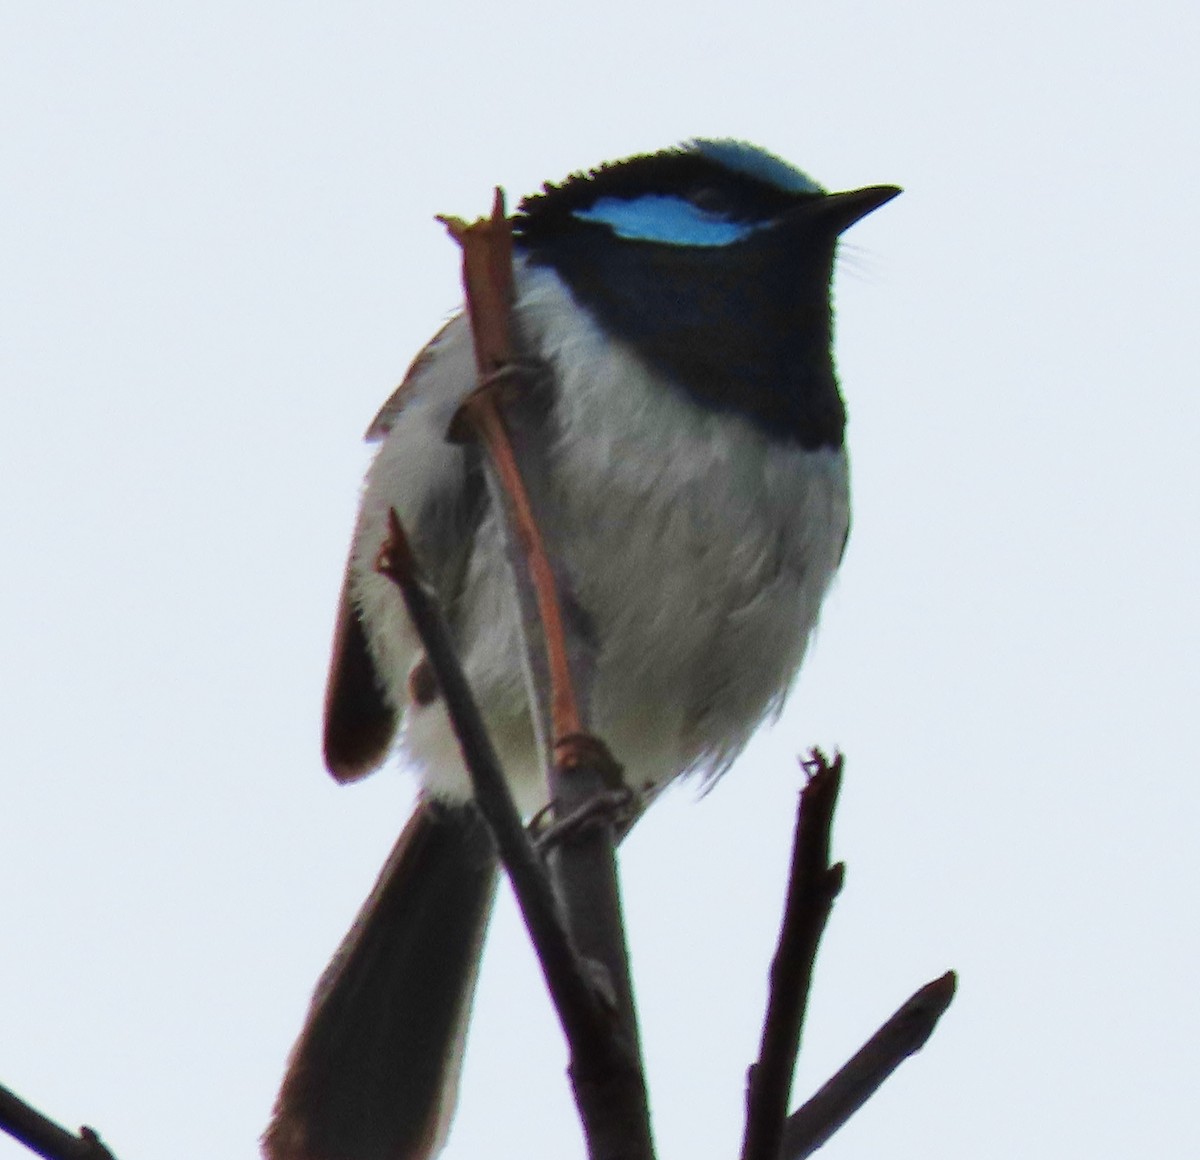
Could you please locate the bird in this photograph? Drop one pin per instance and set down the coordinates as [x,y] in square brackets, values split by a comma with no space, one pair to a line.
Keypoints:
[676,309]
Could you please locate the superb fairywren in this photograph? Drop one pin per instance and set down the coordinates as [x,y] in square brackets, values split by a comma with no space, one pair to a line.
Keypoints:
[677,309]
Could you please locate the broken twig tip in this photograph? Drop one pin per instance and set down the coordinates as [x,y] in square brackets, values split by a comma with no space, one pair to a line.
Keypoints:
[455,226]
[817,763]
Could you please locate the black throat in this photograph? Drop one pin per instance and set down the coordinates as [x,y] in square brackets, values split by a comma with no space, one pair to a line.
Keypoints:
[742,328]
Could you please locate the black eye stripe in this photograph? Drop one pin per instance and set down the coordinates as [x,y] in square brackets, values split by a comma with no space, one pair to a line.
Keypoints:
[711,187]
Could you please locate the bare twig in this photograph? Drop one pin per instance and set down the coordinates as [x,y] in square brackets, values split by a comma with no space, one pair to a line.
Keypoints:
[608,1078]
[488,285]
[613,1102]
[44,1136]
[572,993]
[812,887]
[905,1033]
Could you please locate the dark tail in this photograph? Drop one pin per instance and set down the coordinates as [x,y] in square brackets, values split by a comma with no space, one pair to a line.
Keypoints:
[374,1073]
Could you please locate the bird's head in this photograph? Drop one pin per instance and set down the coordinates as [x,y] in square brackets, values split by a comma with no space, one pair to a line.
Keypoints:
[708,194]
[713,260]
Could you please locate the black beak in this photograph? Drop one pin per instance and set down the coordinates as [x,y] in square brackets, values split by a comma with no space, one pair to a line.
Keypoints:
[837,212]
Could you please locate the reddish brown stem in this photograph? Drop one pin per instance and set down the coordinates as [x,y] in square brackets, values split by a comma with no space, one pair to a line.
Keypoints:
[608,1077]
[487,275]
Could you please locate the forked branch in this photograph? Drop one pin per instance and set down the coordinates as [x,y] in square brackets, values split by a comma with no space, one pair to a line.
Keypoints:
[813,885]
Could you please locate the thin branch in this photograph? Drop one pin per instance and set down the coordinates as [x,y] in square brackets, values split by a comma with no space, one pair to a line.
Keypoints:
[607,1075]
[572,993]
[904,1034]
[608,1095]
[44,1136]
[488,285]
[812,887]
[613,1102]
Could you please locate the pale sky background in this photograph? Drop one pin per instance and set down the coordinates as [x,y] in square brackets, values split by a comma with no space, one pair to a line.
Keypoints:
[217,256]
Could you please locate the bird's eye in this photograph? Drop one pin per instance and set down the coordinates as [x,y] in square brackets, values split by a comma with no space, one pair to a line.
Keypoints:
[710,200]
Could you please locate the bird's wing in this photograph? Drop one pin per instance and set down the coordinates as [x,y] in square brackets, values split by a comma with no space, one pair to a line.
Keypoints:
[437,490]
[448,347]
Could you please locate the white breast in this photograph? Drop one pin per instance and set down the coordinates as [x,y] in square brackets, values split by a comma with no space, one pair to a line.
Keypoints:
[700,548]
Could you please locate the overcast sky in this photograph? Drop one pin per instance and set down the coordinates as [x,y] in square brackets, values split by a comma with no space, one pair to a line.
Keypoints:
[217,256]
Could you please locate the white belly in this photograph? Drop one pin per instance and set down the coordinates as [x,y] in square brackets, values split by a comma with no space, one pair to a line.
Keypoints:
[699,548]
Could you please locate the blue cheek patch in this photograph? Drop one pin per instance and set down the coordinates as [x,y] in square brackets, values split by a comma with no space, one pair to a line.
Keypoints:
[657,217]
